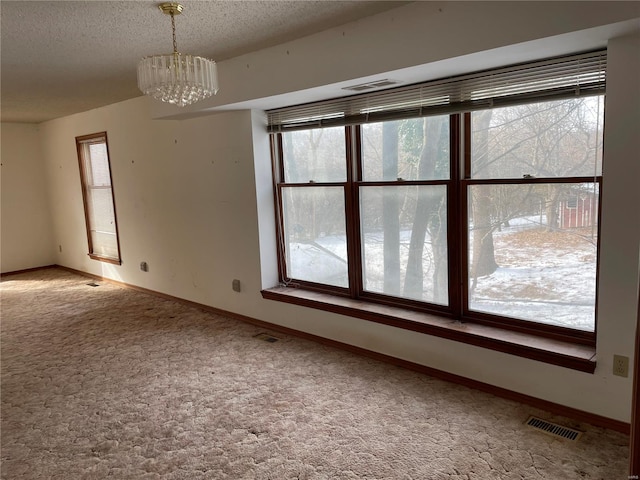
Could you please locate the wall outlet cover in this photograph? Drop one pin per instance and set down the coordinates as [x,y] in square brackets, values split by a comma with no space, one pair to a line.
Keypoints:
[620,366]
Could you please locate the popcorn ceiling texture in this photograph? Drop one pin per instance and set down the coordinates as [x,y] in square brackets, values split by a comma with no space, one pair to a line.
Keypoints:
[60,58]
[105,381]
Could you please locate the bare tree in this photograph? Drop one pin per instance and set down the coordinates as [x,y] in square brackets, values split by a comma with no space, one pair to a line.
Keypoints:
[482,252]
[430,216]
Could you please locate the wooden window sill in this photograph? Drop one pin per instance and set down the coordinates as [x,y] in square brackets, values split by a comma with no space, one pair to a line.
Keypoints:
[115,261]
[556,352]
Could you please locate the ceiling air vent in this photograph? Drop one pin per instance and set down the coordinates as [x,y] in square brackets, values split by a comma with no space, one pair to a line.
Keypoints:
[371,85]
[553,429]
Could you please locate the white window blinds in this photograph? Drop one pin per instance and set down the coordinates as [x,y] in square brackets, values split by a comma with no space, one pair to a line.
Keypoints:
[574,75]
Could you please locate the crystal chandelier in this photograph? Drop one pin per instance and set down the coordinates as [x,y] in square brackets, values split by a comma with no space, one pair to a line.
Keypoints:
[176,78]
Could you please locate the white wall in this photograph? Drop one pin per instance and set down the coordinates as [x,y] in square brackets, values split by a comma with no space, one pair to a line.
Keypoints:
[193,199]
[185,200]
[620,225]
[26,231]
[601,392]
[449,37]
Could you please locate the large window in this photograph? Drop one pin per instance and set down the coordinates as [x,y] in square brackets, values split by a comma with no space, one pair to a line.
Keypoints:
[479,202]
[97,194]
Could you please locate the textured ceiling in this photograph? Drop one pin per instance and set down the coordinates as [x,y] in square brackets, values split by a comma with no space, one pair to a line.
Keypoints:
[60,57]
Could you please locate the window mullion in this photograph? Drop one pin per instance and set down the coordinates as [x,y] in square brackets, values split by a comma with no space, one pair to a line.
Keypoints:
[352,214]
[463,220]
[277,170]
[455,216]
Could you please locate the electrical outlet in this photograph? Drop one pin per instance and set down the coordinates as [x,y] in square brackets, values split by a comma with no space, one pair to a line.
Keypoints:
[235,285]
[144,266]
[621,366]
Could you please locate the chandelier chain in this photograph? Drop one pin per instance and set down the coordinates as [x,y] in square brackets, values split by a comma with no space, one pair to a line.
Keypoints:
[173,29]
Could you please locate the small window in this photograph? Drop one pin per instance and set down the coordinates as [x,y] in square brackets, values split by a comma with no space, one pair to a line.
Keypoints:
[97,194]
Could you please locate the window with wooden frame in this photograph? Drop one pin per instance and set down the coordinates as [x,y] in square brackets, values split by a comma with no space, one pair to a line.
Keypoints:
[475,198]
[97,195]
[531,247]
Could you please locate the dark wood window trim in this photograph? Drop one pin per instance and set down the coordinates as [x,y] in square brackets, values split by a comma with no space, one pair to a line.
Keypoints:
[456,186]
[561,346]
[553,351]
[540,340]
[100,137]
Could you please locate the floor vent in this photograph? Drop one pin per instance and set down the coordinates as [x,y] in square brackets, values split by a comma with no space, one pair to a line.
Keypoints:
[93,284]
[266,337]
[554,429]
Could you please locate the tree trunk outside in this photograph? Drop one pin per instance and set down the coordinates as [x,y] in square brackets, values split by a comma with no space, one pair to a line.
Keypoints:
[430,215]
[553,206]
[482,255]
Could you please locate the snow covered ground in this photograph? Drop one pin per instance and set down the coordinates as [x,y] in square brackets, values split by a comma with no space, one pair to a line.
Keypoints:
[547,277]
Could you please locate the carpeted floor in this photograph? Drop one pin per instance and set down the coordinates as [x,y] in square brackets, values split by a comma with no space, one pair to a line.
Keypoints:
[106,382]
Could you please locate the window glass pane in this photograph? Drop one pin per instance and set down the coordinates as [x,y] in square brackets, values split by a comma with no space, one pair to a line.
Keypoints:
[533,251]
[404,235]
[314,155]
[411,149]
[315,239]
[561,138]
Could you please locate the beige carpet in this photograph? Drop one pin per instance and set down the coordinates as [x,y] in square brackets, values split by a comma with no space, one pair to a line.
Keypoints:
[105,382]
